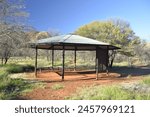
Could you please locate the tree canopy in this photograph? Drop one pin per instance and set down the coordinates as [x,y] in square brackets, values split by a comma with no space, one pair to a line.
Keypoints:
[12,27]
[116,32]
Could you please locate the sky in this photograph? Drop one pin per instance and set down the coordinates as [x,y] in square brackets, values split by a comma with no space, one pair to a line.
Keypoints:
[65,16]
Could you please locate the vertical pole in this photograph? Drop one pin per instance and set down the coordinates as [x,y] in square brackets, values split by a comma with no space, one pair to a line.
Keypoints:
[53,57]
[96,59]
[102,67]
[107,61]
[36,52]
[63,63]
[75,53]
[96,64]
[97,68]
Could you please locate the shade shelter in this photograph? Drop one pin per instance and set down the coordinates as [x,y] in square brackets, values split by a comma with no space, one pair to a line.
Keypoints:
[75,43]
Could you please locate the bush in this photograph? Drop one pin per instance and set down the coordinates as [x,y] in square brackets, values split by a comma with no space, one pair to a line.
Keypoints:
[28,68]
[14,68]
[10,88]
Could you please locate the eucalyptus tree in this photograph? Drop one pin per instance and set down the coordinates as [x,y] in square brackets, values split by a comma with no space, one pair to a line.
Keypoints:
[115,31]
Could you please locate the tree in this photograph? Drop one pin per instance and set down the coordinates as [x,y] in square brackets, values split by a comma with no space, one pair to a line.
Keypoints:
[115,31]
[12,11]
[12,28]
[142,52]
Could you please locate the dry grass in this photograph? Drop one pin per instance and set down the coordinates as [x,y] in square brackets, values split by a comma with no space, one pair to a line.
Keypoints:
[57,86]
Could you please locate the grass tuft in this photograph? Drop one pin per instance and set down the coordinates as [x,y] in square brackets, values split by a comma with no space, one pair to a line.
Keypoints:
[107,93]
[3,74]
[57,86]
[146,80]
[129,76]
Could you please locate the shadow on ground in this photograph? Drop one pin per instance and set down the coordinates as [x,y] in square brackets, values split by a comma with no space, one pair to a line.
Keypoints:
[133,71]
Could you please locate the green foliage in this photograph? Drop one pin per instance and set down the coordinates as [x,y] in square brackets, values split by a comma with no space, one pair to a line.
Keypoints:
[16,68]
[3,74]
[107,93]
[57,86]
[10,88]
[115,32]
[146,80]
[30,86]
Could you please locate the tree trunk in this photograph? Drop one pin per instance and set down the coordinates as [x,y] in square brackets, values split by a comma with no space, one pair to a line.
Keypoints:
[6,60]
[2,60]
[112,57]
[111,62]
[129,62]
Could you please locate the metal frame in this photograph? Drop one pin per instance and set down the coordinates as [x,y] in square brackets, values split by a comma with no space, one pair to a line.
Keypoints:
[36,53]
[71,46]
[63,61]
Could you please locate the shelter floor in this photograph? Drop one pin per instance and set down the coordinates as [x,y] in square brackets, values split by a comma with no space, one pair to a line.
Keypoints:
[71,84]
[55,76]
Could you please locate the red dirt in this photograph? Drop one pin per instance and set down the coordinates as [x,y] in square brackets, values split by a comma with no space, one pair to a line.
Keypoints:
[71,84]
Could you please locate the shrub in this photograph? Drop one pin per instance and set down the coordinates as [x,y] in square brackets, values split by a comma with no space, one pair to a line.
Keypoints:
[28,68]
[14,68]
[10,88]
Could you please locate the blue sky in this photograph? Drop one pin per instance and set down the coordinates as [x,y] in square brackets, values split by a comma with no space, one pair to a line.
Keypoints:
[66,16]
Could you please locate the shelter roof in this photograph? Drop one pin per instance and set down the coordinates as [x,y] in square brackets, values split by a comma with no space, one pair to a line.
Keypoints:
[70,42]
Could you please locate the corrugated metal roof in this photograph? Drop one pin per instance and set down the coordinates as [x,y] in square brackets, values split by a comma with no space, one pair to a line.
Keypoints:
[69,41]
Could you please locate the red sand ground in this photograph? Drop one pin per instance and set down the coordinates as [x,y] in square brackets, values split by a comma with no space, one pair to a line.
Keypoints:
[71,84]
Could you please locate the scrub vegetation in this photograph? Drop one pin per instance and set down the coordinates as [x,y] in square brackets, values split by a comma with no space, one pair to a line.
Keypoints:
[108,93]
[146,80]
[12,88]
[17,57]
